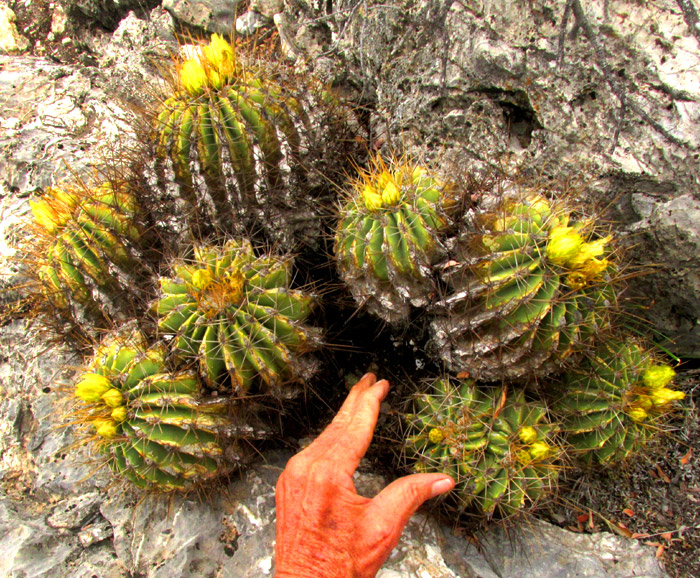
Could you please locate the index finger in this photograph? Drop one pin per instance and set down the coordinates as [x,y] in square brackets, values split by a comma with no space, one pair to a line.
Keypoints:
[345,441]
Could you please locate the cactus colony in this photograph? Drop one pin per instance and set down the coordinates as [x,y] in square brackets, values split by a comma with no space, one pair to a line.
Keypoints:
[236,314]
[511,291]
[388,237]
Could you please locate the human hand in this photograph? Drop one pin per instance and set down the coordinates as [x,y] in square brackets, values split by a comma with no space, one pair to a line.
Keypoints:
[324,528]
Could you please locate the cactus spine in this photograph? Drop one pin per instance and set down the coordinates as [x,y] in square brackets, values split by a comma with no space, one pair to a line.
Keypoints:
[235,312]
[498,447]
[388,237]
[152,424]
[527,289]
[612,406]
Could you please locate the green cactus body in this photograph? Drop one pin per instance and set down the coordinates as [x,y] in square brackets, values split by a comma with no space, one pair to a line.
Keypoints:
[527,289]
[235,312]
[388,238]
[225,115]
[612,405]
[496,446]
[153,426]
[85,241]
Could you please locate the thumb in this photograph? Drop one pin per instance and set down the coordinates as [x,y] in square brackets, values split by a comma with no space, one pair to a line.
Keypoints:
[403,497]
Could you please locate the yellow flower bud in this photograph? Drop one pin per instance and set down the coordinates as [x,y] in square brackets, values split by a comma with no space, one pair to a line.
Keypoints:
[202,278]
[637,414]
[92,387]
[119,414]
[391,194]
[523,457]
[373,200]
[113,397]
[564,244]
[539,450]
[436,435]
[105,427]
[193,77]
[576,280]
[658,376]
[663,395]
[46,216]
[527,434]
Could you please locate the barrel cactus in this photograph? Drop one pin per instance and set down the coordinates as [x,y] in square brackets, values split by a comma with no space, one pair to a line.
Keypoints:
[152,424]
[613,405]
[230,125]
[388,237]
[497,446]
[236,314]
[529,286]
[83,251]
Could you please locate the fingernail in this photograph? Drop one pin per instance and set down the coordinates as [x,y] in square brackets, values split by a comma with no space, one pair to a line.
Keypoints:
[366,375]
[442,486]
[381,382]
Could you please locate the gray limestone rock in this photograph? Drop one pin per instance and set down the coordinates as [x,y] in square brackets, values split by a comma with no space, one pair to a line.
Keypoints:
[209,15]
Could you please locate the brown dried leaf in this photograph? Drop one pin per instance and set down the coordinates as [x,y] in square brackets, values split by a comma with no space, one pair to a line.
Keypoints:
[629,512]
[662,475]
[686,458]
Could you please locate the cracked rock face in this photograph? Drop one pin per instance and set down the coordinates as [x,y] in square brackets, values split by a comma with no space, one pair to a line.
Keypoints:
[606,95]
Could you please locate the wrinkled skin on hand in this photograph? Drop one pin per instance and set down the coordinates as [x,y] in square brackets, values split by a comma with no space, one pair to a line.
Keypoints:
[324,528]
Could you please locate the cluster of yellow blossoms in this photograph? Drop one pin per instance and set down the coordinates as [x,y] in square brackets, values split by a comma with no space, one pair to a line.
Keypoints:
[652,394]
[97,389]
[213,66]
[568,248]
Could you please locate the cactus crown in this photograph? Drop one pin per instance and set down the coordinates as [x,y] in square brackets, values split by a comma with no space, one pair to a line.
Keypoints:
[82,234]
[388,236]
[612,405]
[212,66]
[498,447]
[236,313]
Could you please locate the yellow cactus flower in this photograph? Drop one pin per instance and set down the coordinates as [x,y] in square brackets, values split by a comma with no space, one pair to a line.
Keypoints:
[564,244]
[92,387]
[436,436]
[46,216]
[105,428]
[589,251]
[527,434]
[202,278]
[220,55]
[113,397]
[636,414]
[539,450]
[576,280]
[119,414]
[658,376]
[235,281]
[663,395]
[193,77]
